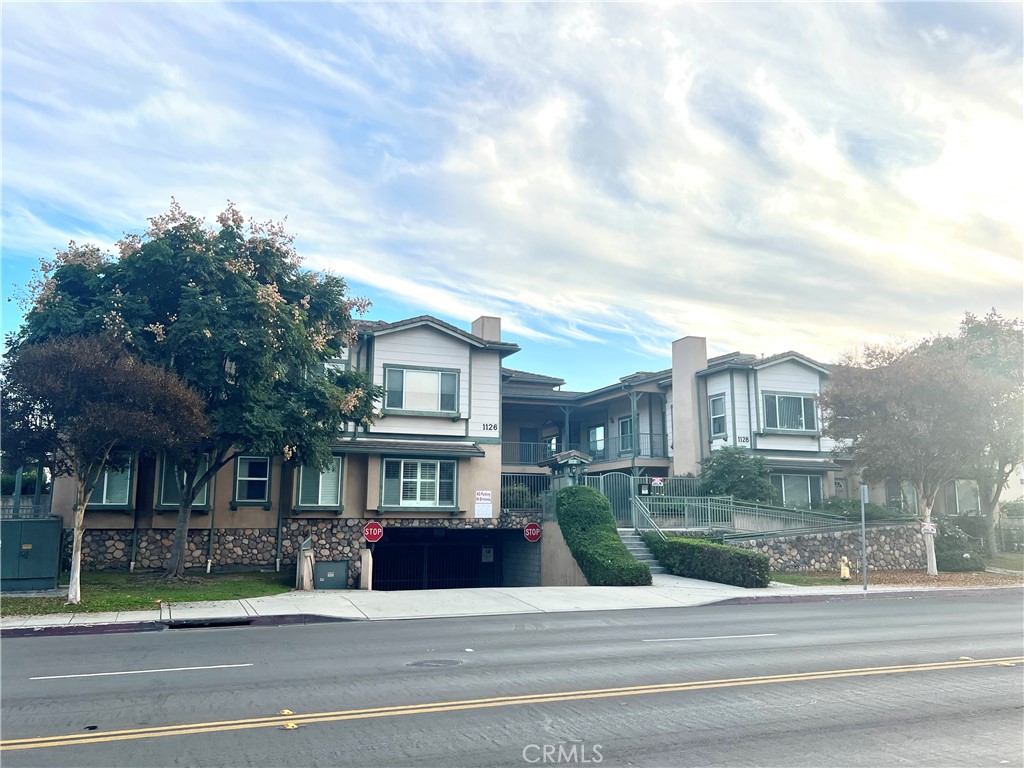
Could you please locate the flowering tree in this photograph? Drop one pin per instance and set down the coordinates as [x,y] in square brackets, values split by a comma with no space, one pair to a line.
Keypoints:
[230,310]
[77,399]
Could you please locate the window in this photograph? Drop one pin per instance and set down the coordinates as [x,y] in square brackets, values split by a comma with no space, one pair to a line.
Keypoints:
[252,479]
[321,488]
[626,435]
[415,483]
[169,496]
[114,487]
[408,389]
[595,441]
[792,412]
[961,497]
[801,491]
[716,414]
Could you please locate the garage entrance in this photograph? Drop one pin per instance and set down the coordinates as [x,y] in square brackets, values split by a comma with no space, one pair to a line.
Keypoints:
[445,558]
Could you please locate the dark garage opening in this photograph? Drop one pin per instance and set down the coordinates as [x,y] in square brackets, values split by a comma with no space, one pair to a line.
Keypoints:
[445,558]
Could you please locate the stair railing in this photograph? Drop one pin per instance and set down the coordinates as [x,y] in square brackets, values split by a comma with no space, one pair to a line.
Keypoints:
[642,520]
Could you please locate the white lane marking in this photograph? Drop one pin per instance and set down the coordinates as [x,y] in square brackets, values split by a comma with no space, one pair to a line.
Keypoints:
[140,671]
[717,637]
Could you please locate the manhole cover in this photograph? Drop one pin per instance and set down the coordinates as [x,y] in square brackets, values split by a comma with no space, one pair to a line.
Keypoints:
[434,663]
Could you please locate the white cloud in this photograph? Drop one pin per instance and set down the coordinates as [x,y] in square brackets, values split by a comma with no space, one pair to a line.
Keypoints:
[799,176]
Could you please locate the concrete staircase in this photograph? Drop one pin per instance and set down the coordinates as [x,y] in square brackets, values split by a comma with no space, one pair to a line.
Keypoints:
[639,550]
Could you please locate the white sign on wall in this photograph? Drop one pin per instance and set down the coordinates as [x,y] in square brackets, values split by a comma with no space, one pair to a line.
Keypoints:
[483,506]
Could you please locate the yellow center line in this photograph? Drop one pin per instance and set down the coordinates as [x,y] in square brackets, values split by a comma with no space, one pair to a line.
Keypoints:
[467,704]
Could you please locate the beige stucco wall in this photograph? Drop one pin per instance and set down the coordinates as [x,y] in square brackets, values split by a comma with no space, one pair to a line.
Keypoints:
[476,474]
[558,568]
[689,355]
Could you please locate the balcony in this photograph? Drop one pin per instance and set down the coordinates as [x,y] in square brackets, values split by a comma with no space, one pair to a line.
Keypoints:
[644,445]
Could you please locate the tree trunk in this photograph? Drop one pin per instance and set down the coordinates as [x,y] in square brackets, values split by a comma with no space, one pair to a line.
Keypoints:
[929,539]
[176,561]
[75,584]
[989,494]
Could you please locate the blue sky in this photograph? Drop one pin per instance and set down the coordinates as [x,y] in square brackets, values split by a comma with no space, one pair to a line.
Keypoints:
[606,178]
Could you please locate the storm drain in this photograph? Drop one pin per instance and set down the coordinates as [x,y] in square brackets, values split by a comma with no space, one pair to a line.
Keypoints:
[434,663]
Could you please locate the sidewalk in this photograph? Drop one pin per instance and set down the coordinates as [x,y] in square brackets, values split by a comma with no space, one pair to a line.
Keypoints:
[355,605]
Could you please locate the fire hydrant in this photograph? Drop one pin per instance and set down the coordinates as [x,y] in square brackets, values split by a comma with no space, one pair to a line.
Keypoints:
[844,568]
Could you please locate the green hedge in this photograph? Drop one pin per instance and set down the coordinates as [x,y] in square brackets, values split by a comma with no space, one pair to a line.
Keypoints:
[588,526]
[957,551]
[696,559]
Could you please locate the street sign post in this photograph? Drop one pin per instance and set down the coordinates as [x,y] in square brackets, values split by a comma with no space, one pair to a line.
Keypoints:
[864,535]
[373,531]
[532,532]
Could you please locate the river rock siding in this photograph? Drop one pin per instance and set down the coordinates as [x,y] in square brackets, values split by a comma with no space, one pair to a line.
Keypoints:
[890,548]
[332,539]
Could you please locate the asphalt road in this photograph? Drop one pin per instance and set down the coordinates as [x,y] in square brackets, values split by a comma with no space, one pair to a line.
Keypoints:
[885,682]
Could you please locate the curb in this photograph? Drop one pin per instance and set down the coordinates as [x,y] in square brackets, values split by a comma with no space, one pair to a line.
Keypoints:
[901,594]
[159,626]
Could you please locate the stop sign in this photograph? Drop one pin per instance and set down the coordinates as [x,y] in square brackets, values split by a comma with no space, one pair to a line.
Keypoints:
[373,531]
[532,532]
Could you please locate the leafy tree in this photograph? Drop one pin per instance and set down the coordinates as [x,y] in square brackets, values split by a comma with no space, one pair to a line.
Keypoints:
[737,472]
[228,309]
[994,348]
[28,483]
[77,400]
[910,413]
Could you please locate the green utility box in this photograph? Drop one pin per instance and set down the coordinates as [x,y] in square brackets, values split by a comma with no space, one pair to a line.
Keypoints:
[330,575]
[29,554]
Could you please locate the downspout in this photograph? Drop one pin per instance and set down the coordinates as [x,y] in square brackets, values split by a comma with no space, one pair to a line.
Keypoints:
[280,522]
[633,417]
[211,500]
[135,537]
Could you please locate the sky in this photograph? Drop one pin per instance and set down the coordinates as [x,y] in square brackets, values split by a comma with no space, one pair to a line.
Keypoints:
[606,178]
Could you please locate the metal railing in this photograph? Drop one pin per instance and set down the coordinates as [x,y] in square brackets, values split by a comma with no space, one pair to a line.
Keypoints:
[644,445]
[643,521]
[523,491]
[723,513]
[25,511]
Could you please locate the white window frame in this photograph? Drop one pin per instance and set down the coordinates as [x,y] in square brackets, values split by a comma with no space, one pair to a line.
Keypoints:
[803,397]
[810,495]
[300,504]
[103,482]
[623,448]
[390,406]
[420,481]
[168,467]
[236,499]
[712,416]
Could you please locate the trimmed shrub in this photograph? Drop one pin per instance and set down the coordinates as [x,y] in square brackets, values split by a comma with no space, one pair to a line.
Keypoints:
[518,497]
[696,559]
[588,526]
[956,551]
[850,508]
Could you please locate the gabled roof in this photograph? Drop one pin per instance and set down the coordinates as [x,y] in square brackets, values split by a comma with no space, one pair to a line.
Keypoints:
[739,361]
[382,328]
[525,377]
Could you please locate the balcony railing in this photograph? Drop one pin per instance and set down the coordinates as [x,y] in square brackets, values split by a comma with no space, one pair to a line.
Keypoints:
[644,445]
[523,491]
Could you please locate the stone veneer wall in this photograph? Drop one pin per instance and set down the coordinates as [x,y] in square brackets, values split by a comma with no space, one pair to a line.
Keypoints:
[890,548]
[332,538]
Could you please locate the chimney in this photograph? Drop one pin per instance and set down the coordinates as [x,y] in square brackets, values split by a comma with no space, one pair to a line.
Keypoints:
[689,355]
[487,328]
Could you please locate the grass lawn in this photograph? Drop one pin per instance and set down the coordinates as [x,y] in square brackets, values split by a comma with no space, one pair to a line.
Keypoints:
[810,579]
[1011,561]
[109,591]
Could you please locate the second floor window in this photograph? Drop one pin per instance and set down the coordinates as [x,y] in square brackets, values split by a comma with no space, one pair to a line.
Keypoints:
[411,389]
[252,480]
[716,415]
[793,412]
[625,435]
